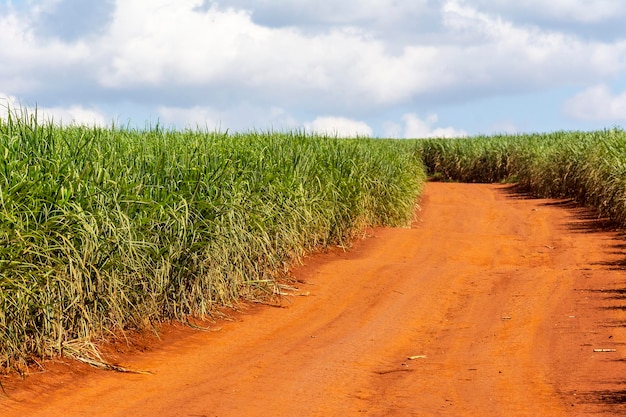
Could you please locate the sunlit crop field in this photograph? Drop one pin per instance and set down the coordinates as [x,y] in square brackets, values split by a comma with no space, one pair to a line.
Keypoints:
[589,167]
[106,229]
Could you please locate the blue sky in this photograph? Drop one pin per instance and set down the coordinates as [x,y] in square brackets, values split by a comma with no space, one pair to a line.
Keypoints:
[383,68]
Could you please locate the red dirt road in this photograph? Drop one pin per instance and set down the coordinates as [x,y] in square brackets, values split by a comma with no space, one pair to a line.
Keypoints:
[500,300]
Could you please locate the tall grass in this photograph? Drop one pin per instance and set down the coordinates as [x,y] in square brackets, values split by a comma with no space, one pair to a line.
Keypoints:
[103,229]
[589,167]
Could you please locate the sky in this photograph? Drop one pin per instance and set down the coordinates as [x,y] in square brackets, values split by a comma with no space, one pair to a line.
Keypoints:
[380,68]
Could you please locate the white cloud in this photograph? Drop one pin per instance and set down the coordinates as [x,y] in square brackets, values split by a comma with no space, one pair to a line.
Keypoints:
[414,127]
[493,56]
[344,12]
[228,63]
[29,55]
[240,118]
[339,126]
[75,114]
[597,103]
[194,117]
[392,19]
[160,45]
[175,43]
[584,11]
[9,105]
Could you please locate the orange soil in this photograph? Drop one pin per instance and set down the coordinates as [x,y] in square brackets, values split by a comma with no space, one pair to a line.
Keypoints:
[500,300]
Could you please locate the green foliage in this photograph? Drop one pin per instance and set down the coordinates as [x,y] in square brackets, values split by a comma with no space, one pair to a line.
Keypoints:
[108,229]
[480,159]
[589,167]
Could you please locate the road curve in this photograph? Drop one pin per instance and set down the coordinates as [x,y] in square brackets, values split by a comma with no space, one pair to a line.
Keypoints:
[491,304]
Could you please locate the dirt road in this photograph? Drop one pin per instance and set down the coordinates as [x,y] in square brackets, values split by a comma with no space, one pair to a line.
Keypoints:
[492,304]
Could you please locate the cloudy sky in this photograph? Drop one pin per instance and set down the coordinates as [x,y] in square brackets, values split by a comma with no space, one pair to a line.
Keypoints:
[384,68]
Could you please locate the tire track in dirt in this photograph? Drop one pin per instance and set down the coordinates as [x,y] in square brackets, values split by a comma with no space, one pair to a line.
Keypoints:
[499,299]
